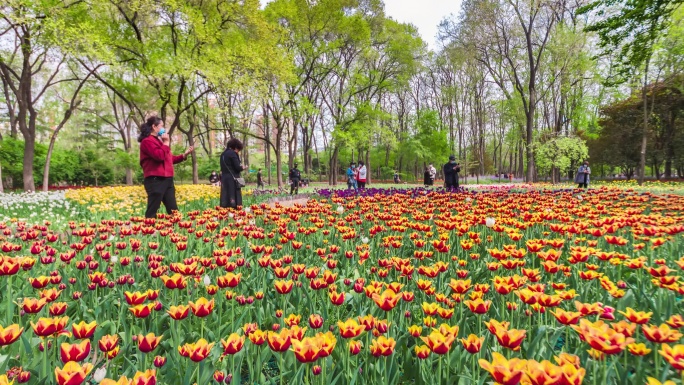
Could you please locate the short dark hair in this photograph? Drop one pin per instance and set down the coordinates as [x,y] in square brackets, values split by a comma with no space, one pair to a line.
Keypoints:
[361,163]
[235,144]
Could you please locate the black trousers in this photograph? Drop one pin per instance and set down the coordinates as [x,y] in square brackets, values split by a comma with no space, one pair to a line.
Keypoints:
[159,190]
[361,184]
[231,194]
[582,185]
[294,187]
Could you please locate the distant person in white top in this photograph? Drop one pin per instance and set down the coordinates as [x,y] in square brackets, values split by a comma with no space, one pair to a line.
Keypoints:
[433,174]
[362,174]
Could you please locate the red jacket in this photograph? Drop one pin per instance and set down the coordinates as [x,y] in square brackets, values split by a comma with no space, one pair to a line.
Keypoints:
[156,158]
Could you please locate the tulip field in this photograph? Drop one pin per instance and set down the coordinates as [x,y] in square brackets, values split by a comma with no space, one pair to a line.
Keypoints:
[414,286]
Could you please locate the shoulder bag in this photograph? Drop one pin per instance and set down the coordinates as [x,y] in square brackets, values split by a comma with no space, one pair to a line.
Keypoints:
[239,181]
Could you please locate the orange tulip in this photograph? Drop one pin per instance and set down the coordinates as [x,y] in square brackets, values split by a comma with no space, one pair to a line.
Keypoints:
[258,337]
[175,281]
[422,351]
[543,373]
[234,344]
[350,328]
[624,327]
[510,339]
[10,334]
[607,340]
[503,371]
[382,346]
[293,319]
[108,342]
[283,287]
[74,352]
[415,330]
[336,298]
[676,321]
[142,311]
[307,350]
[178,312]
[279,342]
[572,374]
[430,308]
[638,349]
[148,377]
[473,343]
[135,298]
[72,373]
[202,307]
[478,306]
[121,381]
[83,330]
[673,355]
[387,300]
[438,342]
[638,317]
[49,326]
[661,334]
[33,305]
[354,347]
[566,317]
[197,351]
[9,265]
[148,343]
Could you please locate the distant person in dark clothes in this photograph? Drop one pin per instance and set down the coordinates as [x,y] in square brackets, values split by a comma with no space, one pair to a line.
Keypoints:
[396,178]
[157,163]
[451,171]
[260,181]
[231,167]
[295,177]
[582,178]
[426,177]
[214,178]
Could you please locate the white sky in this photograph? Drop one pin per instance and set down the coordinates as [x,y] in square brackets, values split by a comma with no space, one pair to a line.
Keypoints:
[424,14]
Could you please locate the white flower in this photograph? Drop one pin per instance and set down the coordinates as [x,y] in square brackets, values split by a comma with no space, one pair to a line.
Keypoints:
[100,374]
[364,239]
[490,221]
[248,210]
[579,198]
[115,259]
[231,215]
[469,199]
[340,209]
[207,280]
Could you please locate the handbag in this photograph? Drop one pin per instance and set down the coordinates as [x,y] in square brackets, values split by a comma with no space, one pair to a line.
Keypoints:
[239,181]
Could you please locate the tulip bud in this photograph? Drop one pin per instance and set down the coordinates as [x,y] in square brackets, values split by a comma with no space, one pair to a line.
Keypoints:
[23,377]
[275,327]
[159,361]
[279,313]
[219,376]
[316,370]
[228,379]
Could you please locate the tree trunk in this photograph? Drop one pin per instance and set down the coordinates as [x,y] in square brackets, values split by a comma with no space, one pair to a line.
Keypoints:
[2,189]
[644,136]
[29,152]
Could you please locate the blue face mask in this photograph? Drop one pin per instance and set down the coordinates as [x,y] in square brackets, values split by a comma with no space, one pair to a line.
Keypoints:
[161,132]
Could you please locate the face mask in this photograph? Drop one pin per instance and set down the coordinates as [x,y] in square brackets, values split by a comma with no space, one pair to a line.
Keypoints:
[161,132]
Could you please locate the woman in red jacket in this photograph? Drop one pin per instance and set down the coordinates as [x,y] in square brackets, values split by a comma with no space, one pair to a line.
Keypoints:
[157,163]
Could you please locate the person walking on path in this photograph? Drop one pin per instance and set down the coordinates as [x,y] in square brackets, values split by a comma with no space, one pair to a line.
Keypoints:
[451,170]
[362,175]
[295,177]
[426,177]
[260,181]
[582,178]
[157,163]
[231,167]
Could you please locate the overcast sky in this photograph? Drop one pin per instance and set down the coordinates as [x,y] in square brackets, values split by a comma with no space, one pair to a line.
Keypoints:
[424,14]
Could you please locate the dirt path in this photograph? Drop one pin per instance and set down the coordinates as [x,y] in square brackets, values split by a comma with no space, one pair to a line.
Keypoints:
[289,202]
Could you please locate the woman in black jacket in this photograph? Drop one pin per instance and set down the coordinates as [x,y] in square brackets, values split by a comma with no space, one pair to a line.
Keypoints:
[231,167]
